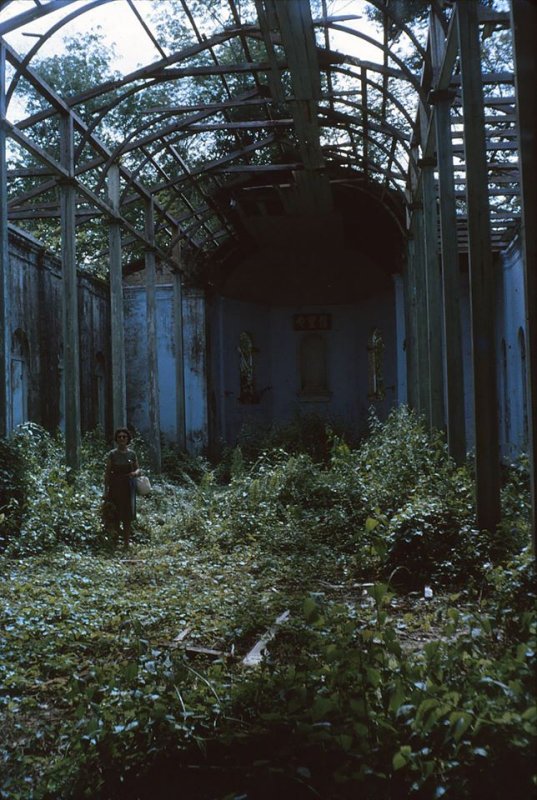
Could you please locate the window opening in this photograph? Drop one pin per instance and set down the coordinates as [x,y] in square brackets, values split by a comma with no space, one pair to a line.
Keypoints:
[19,378]
[248,392]
[375,359]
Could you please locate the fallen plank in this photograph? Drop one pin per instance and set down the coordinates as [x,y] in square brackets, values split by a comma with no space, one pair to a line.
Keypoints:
[181,636]
[204,651]
[255,655]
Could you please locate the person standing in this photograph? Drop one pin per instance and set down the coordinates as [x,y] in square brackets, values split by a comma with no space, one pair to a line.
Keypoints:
[119,484]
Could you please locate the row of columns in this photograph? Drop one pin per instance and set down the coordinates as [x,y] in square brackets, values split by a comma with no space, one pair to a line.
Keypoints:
[71,374]
[434,352]
[5,315]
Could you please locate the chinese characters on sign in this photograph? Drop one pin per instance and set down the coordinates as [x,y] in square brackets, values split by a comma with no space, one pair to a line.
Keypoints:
[312,322]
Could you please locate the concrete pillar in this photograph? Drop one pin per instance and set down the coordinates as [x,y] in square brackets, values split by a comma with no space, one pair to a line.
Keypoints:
[409,281]
[400,327]
[5,315]
[71,354]
[178,347]
[434,295]
[450,280]
[152,357]
[117,324]
[422,329]
[482,272]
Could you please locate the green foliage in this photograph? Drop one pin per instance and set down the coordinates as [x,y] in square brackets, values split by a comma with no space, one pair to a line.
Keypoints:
[397,505]
[361,692]
[353,713]
[12,491]
[309,434]
[400,460]
[182,467]
[59,508]
[514,529]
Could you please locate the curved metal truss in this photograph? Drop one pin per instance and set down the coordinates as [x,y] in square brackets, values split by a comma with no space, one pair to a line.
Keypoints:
[278,95]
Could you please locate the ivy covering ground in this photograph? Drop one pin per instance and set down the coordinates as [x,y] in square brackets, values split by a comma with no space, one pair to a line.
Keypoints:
[122,674]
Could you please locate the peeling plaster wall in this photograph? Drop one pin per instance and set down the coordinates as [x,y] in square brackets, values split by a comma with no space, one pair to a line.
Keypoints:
[36,327]
[195,370]
[136,357]
[510,331]
[277,355]
[510,350]
[402,389]
[228,319]
[511,341]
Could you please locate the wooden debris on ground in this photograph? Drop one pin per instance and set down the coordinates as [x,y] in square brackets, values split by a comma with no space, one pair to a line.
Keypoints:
[255,655]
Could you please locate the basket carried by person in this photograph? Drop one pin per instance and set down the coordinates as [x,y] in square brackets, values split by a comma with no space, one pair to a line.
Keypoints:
[143,486]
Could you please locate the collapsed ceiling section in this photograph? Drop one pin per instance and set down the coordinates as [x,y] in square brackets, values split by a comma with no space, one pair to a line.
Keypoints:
[236,110]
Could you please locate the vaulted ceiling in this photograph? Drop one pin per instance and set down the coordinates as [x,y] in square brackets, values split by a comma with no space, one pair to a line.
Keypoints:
[282,121]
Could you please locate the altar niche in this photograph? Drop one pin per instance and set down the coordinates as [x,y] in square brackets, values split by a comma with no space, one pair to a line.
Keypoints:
[313,372]
[248,394]
[375,359]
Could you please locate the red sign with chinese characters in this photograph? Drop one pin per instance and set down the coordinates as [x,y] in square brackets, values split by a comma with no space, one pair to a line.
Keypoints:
[312,322]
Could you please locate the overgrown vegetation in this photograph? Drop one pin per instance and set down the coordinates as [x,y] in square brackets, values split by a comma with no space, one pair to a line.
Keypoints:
[122,673]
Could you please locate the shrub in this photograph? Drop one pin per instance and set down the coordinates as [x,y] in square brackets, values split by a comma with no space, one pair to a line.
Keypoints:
[309,434]
[12,490]
[182,467]
[59,507]
[400,459]
[429,543]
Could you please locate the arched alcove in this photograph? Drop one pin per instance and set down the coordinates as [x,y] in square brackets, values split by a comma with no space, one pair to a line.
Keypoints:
[246,349]
[20,353]
[375,363]
[313,368]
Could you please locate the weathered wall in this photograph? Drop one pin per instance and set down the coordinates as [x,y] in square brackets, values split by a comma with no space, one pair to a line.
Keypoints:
[277,362]
[510,337]
[35,330]
[195,370]
[511,344]
[510,350]
[227,319]
[136,358]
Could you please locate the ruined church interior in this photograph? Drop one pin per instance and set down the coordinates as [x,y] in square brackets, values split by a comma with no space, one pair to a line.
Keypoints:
[280,207]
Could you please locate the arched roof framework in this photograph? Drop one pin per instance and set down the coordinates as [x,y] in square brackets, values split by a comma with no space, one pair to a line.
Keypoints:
[371,144]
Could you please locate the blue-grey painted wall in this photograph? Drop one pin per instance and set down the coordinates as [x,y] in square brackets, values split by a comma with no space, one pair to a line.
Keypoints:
[468,373]
[400,344]
[136,358]
[510,350]
[511,340]
[195,370]
[34,330]
[277,362]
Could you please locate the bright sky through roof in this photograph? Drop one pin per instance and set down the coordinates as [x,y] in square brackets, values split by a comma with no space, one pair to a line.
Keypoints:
[132,44]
